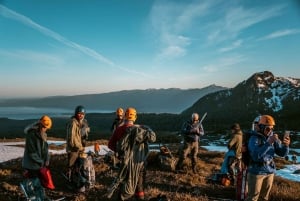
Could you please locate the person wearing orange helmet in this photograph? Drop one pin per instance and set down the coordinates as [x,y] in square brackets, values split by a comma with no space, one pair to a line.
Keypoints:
[262,146]
[118,120]
[36,151]
[130,141]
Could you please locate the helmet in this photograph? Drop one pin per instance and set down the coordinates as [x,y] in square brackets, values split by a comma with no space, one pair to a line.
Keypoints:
[79,109]
[119,112]
[46,121]
[130,114]
[266,120]
[256,120]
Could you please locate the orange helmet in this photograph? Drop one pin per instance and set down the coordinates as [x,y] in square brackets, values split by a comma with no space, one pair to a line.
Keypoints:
[266,120]
[46,121]
[130,114]
[119,112]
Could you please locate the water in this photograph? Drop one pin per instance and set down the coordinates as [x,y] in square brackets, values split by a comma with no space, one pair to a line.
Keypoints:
[21,113]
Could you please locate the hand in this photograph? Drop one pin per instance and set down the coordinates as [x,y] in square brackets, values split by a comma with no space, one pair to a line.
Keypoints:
[272,138]
[47,163]
[286,141]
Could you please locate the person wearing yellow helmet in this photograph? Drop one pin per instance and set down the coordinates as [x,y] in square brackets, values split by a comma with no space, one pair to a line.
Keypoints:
[130,142]
[36,151]
[263,145]
[118,120]
[130,117]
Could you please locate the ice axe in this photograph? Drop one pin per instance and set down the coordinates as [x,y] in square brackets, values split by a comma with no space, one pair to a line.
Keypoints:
[203,117]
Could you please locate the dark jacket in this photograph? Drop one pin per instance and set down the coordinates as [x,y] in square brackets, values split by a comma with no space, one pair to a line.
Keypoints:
[191,131]
[36,148]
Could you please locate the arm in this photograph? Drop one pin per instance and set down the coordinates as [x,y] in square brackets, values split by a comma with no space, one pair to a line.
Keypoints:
[260,152]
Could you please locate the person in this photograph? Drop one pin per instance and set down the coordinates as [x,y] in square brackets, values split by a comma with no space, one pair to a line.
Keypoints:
[263,145]
[36,152]
[233,156]
[191,131]
[77,131]
[118,120]
[131,142]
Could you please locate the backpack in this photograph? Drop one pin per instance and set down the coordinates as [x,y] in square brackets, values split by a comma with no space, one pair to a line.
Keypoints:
[89,171]
[246,158]
[83,174]
[33,190]
[166,160]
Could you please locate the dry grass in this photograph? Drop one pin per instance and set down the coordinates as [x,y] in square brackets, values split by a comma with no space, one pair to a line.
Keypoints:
[177,187]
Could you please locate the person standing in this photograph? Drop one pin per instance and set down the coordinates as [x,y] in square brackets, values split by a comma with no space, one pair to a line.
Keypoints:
[131,142]
[36,152]
[262,146]
[234,154]
[76,127]
[118,120]
[191,130]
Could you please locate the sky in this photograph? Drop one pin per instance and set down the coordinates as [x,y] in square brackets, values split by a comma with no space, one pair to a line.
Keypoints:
[63,47]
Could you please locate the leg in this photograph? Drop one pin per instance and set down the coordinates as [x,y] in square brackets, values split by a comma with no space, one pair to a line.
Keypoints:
[139,193]
[267,185]
[254,186]
[194,154]
[183,155]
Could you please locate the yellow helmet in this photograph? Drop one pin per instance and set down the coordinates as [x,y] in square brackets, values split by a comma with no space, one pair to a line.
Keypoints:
[266,120]
[130,114]
[46,121]
[119,112]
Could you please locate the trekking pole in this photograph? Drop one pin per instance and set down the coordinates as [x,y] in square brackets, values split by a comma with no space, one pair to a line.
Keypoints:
[23,189]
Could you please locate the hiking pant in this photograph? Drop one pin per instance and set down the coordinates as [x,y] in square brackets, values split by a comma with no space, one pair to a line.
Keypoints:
[259,186]
[72,157]
[139,191]
[226,163]
[188,148]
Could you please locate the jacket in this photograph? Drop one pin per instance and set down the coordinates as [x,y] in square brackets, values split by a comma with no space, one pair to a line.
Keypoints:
[236,143]
[262,154]
[36,148]
[191,131]
[73,138]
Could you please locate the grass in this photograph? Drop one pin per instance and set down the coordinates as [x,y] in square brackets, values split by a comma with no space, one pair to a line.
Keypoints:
[176,187]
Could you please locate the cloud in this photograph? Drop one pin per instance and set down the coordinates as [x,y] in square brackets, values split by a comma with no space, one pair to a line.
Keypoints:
[236,18]
[233,46]
[27,21]
[280,33]
[171,21]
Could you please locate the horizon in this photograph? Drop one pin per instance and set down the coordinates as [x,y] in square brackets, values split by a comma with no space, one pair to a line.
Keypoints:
[109,46]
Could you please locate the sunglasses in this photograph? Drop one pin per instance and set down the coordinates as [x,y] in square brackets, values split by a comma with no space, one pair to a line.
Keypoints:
[268,129]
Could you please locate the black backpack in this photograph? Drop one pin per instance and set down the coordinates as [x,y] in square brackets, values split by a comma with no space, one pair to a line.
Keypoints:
[246,158]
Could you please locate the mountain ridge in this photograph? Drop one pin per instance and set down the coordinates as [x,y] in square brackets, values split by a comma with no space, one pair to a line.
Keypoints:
[171,100]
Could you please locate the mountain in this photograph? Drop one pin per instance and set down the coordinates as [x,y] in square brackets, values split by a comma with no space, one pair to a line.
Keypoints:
[172,100]
[262,93]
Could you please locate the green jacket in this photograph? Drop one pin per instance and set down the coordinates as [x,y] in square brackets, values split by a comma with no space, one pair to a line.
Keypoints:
[235,143]
[36,148]
[73,138]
